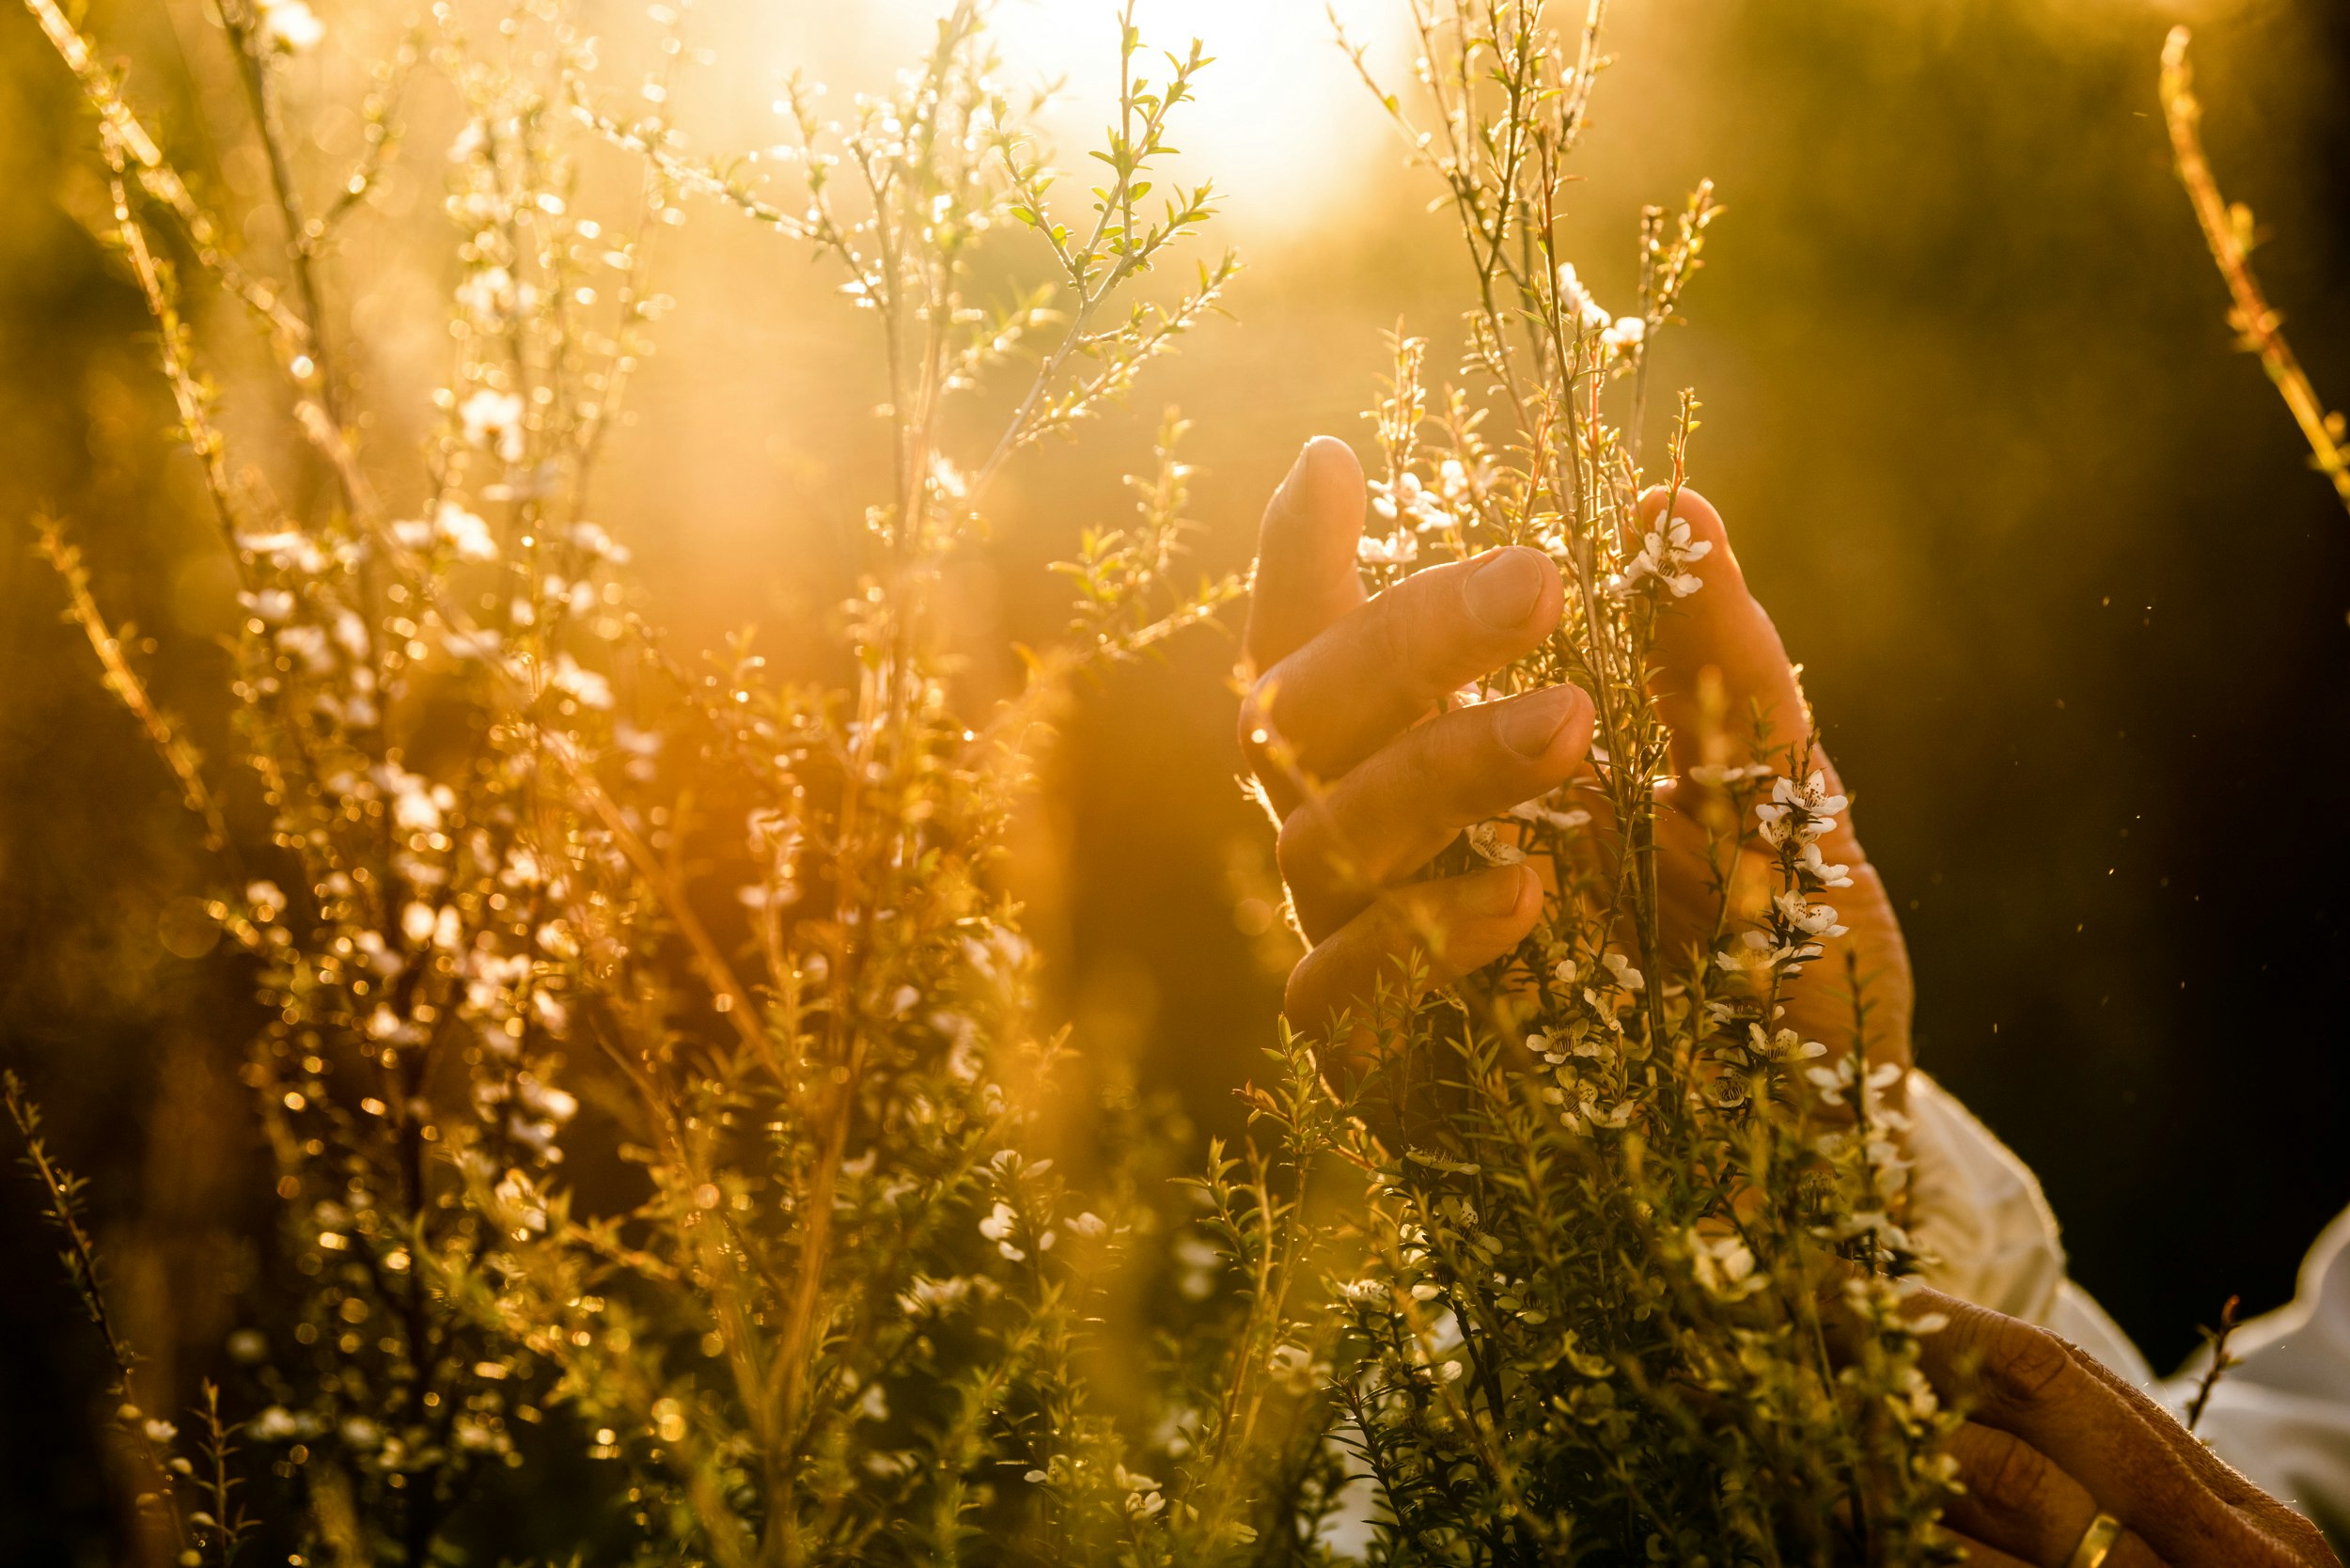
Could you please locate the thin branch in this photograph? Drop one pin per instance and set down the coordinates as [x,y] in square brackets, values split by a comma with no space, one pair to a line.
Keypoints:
[2228,230]
[2220,1361]
[122,679]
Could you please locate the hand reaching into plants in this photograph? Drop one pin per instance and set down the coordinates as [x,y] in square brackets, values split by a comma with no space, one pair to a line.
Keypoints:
[2061,1461]
[1368,793]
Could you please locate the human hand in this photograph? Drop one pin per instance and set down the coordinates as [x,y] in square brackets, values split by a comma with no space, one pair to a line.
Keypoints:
[1368,793]
[2055,1442]
[1369,787]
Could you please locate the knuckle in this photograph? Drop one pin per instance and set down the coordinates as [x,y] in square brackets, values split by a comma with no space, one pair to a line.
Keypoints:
[2016,1477]
[1409,920]
[2028,1366]
[1297,850]
[1392,629]
[1305,998]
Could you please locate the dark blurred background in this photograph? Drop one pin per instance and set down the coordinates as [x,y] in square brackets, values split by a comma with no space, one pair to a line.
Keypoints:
[2072,608]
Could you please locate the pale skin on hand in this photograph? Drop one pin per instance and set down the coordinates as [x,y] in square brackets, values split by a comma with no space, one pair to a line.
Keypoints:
[1370,781]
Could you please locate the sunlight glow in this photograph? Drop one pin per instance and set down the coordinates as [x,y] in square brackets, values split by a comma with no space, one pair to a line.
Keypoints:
[1282,121]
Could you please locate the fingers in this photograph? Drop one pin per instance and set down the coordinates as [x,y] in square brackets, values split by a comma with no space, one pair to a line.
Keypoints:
[1428,933]
[1720,627]
[1391,815]
[2018,1501]
[1363,680]
[2303,1540]
[2028,1383]
[1305,571]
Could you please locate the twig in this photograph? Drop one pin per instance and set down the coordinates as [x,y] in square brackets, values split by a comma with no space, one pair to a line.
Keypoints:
[160,181]
[62,1201]
[122,679]
[63,1190]
[2220,1361]
[2228,230]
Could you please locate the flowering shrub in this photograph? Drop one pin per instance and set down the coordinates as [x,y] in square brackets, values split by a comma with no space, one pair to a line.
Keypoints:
[840,1320]
[530,880]
[1632,1232]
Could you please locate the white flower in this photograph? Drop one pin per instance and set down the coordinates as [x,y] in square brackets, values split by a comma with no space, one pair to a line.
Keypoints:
[1089,1225]
[467,534]
[1143,1499]
[946,480]
[488,414]
[1664,552]
[555,1017]
[1624,336]
[1408,500]
[1587,310]
[1828,874]
[486,294]
[1813,919]
[352,633]
[1000,1223]
[417,806]
[1565,821]
[291,25]
[1786,1045]
[1724,1266]
[584,686]
[1400,549]
[1810,796]
[592,538]
[1199,1263]
[275,1424]
[547,1100]
[309,644]
[1832,1081]
[927,1295]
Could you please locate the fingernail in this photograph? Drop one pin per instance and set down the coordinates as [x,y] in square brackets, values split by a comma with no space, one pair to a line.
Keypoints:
[1530,725]
[1504,590]
[1499,891]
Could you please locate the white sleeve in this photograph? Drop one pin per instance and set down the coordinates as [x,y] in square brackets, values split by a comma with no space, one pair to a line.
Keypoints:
[1977,1213]
[2282,1416]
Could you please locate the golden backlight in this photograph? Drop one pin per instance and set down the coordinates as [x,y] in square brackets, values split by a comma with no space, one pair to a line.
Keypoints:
[1283,122]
